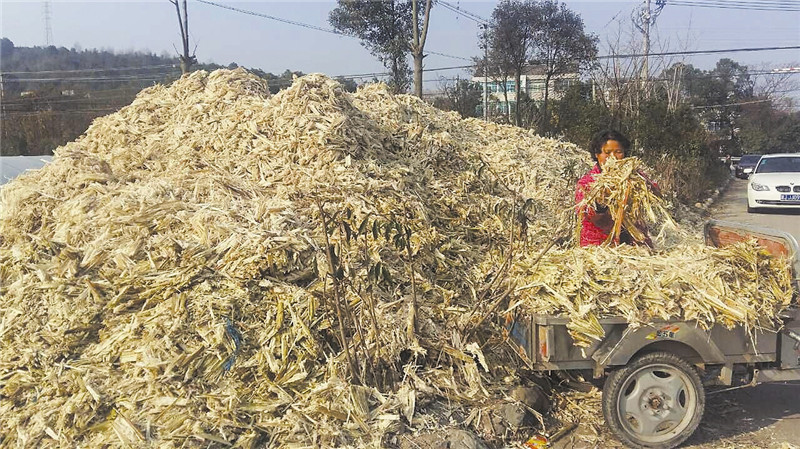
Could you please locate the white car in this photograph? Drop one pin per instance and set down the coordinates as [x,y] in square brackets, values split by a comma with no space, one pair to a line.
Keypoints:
[775,182]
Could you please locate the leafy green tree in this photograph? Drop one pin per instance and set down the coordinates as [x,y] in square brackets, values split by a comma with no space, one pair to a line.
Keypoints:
[6,47]
[510,35]
[389,30]
[717,95]
[577,117]
[766,129]
[560,44]
[463,96]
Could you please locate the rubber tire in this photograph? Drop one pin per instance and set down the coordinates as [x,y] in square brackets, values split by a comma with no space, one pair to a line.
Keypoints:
[613,387]
[753,210]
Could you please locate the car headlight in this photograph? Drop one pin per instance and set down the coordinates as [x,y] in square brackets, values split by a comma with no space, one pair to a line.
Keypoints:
[759,187]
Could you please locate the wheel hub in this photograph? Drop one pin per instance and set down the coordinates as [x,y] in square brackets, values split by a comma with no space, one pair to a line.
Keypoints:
[655,402]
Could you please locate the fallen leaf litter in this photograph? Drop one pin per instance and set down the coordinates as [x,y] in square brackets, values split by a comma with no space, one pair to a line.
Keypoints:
[213,265]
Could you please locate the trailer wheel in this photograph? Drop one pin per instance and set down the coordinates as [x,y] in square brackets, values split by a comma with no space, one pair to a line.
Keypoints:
[656,401]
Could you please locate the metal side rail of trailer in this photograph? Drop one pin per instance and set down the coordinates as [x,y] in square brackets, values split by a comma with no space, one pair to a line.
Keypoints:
[654,394]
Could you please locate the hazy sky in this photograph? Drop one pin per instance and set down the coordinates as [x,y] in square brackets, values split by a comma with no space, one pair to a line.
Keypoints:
[224,36]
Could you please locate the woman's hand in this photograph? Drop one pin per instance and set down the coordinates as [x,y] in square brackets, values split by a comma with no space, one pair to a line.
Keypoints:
[602,218]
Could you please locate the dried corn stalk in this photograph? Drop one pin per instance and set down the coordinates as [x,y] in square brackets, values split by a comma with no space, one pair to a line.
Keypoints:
[629,197]
[169,279]
[739,284]
[165,281]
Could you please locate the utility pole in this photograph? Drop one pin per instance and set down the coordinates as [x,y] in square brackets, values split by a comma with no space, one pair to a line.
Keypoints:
[2,97]
[647,18]
[646,31]
[485,72]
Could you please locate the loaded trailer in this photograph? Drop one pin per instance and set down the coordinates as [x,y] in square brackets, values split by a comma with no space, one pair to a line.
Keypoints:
[656,374]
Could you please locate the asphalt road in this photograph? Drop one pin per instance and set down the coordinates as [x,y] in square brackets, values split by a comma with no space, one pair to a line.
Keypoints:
[766,416]
[732,206]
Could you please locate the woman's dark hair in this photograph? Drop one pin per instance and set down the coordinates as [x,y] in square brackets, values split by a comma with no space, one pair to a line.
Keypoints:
[600,139]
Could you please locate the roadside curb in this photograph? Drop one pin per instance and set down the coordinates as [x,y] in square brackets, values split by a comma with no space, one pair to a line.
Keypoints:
[705,205]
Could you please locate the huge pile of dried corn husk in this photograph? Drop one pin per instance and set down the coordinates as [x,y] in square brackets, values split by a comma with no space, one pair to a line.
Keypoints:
[212,265]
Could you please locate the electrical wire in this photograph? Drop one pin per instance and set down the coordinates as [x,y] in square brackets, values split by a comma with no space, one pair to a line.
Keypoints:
[81,111]
[700,52]
[277,19]
[301,24]
[734,5]
[448,56]
[38,72]
[779,3]
[60,100]
[733,104]
[462,13]
[87,80]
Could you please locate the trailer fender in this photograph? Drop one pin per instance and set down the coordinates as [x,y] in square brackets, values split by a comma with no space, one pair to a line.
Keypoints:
[620,347]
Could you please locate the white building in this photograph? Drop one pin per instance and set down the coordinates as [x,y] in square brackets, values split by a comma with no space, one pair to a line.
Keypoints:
[532,83]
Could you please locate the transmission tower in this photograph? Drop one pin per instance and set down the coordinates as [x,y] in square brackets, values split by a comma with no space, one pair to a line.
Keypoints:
[48,30]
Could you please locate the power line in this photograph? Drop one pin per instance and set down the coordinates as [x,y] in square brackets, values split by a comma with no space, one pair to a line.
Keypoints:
[743,4]
[278,19]
[38,101]
[81,111]
[444,5]
[463,13]
[448,56]
[37,72]
[701,52]
[301,24]
[732,104]
[88,79]
[671,53]
[751,2]
[735,5]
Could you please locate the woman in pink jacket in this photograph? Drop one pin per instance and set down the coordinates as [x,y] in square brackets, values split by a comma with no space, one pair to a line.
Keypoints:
[597,222]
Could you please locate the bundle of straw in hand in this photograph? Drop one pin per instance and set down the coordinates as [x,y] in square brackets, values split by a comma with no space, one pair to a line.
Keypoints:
[629,197]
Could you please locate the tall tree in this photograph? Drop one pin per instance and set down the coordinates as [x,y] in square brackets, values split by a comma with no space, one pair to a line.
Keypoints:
[186,59]
[418,41]
[389,29]
[510,36]
[560,45]
[717,94]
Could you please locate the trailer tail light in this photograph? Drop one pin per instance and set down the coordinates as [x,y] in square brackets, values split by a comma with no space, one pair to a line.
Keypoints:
[544,351]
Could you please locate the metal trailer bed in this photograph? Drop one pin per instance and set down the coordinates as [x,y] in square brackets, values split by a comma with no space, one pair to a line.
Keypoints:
[654,395]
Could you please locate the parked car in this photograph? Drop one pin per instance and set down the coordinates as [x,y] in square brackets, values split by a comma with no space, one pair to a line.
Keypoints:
[746,165]
[775,182]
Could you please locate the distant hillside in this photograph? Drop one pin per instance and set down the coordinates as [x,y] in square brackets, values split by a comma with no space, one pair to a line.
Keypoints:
[50,70]
[50,95]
